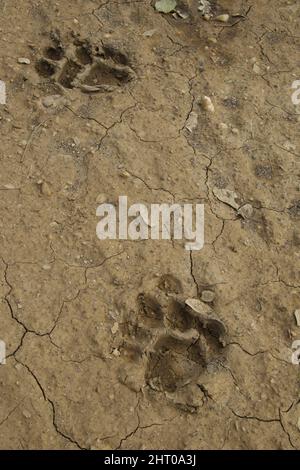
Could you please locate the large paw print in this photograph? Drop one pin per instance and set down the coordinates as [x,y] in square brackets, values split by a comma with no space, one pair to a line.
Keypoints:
[178,344]
[88,67]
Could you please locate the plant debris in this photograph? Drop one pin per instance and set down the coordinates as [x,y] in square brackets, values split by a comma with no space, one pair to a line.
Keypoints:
[165,6]
[205,7]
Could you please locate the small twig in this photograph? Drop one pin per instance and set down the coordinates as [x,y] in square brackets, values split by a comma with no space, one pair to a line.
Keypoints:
[30,138]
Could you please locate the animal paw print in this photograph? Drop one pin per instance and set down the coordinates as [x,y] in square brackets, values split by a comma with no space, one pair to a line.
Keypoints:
[90,68]
[178,343]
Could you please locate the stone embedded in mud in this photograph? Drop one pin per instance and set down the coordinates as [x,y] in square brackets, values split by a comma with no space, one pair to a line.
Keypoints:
[54,101]
[192,122]
[48,101]
[45,188]
[223,127]
[207,296]
[256,69]
[187,399]
[246,211]
[46,267]
[227,196]
[26,414]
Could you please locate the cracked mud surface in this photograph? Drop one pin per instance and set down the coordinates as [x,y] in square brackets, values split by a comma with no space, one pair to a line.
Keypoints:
[102,351]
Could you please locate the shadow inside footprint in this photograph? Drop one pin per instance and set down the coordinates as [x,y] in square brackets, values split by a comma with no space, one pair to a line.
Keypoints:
[117,56]
[190,343]
[150,310]
[84,54]
[54,53]
[44,68]
[69,73]
[169,369]
[177,317]
[169,283]
[106,74]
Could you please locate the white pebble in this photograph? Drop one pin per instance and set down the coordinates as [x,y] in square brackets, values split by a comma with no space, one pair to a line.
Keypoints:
[23,60]
[115,328]
[297,316]
[223,18]
[45,188]
[207,104]
[256,69]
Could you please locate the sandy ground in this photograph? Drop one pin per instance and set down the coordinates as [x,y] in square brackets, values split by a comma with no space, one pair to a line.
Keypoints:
[99,343]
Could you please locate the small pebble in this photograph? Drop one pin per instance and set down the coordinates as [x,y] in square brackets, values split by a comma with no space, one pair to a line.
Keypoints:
[207,104]
[223,18]
[297,316]
[48,101]
[23,60]
[101,198]
[53,101]
[256,69]
[124,174]
[207,296]
[149,34]
[115,328]
[223,126]
[45,189]
[26,414]
[46,267]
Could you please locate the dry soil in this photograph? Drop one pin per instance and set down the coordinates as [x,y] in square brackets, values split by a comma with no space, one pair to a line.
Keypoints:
[100,351]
